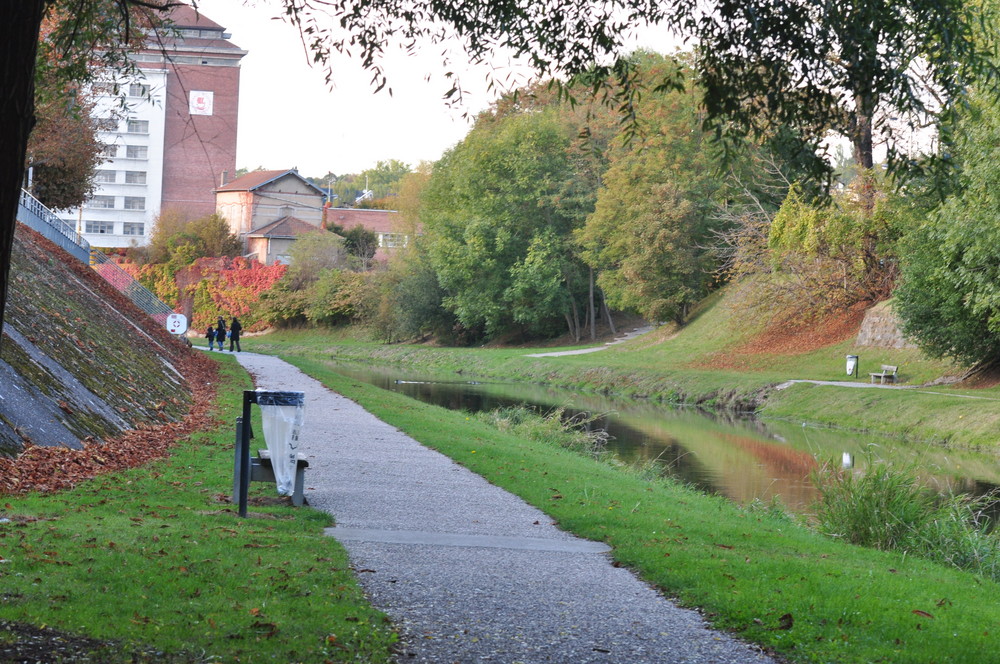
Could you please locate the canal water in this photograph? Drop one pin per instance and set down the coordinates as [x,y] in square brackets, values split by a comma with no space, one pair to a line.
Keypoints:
[741,457]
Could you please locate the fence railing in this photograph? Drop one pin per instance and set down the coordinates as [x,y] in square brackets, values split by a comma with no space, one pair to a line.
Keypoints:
[38,217]
[128,286]
[41,219]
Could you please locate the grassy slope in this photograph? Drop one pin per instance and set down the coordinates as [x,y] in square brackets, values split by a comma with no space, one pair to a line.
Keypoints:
[810,598]
[156,557]
[672,366]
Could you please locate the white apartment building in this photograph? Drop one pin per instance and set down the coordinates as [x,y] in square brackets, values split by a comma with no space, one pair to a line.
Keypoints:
[129,183]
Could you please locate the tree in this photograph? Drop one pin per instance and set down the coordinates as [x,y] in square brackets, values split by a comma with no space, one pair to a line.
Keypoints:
[359,242]
[180,241]
[869,71]
[949,298]
[489,201]
[312,254]
[649,233]
[384,178]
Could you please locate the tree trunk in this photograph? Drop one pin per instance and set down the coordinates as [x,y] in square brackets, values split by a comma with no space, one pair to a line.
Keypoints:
[591,309]
[569,325]
[607,313]
[576,319]
[19,25]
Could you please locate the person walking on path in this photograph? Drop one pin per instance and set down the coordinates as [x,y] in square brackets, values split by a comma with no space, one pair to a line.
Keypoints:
[210,335]
[220,332]
[468,572]
[234,334]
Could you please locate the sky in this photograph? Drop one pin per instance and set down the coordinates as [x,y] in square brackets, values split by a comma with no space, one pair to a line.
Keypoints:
[289,117]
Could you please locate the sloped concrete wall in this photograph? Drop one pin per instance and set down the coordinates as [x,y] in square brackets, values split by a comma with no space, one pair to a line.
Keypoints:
[77,359]
[880,328]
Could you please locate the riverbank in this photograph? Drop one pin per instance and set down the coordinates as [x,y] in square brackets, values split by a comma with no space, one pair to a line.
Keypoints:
[807,597]
[717,362]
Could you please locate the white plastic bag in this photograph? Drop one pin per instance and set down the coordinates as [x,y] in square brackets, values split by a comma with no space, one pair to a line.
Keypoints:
[282,415]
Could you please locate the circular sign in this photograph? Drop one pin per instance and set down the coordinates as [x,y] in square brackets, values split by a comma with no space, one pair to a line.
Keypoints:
[177,323]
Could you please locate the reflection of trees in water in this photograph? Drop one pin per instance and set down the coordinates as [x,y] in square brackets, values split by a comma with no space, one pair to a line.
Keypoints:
[732,454]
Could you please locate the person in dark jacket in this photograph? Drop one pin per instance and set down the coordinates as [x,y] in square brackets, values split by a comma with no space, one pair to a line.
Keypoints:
[210,335]
[220,332]
[234,335]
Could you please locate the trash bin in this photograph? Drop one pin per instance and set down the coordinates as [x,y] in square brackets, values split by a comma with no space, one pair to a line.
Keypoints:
[282,416]
[852,365]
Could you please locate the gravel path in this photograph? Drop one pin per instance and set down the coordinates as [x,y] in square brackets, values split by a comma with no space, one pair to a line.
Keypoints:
[471,573]
[584,351]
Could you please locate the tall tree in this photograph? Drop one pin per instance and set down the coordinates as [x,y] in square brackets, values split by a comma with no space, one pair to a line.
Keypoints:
[490,203]
[949,299]
[649,233]
[873,71]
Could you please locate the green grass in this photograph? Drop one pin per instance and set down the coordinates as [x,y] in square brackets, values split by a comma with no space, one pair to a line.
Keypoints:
[746,569]
[156,557]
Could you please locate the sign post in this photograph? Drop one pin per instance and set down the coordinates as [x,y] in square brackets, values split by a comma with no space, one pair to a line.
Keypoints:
[177,324]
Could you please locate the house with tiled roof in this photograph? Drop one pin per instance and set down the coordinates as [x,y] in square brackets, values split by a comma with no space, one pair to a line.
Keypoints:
[268,209]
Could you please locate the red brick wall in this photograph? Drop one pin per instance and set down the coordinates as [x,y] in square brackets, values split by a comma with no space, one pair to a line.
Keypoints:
[198,148]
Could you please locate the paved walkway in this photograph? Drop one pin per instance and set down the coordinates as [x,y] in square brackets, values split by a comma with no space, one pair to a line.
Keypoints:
[467,571]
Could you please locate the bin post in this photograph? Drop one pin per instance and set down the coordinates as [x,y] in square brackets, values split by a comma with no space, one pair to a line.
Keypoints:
[243,450]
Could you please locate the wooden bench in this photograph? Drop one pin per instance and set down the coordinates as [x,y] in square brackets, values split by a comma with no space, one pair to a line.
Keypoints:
[886,375]
[261,470]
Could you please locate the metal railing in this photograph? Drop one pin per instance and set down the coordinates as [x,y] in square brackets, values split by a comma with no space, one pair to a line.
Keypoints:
[129,287]
[41,219]
[38,217]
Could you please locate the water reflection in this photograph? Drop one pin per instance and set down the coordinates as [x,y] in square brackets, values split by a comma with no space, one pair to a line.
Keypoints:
[740,457]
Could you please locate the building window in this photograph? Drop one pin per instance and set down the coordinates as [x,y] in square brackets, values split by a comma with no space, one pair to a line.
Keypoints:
[138,90]
[102,202]
[106,176]
[106,124]
[138,126]
[103,88]
[391,240]
[136,151]
[135,177]
[133,228]
[100,227]
[109,151]
[135,203]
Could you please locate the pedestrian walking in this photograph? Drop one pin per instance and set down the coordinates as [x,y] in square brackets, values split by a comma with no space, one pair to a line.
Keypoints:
[210,335]
[220,332]
[234,335]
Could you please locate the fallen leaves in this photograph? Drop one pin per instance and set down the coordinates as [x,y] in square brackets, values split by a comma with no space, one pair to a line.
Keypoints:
[50,469]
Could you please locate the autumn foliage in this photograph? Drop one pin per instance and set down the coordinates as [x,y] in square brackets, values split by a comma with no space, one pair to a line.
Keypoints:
[233,288]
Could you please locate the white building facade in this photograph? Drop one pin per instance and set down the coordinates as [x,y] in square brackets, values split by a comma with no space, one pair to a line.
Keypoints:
[129,184]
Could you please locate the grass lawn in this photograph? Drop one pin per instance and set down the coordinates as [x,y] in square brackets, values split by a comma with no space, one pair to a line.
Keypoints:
[157,558]
[758,573]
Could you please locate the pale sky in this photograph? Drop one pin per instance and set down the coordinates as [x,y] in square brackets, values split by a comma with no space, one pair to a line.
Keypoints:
[289,117]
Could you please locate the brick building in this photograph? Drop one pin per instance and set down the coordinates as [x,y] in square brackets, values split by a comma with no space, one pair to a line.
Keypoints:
[177,136]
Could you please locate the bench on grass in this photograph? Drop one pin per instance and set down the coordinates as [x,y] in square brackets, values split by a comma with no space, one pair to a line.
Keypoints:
[261,470]
[886,375]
